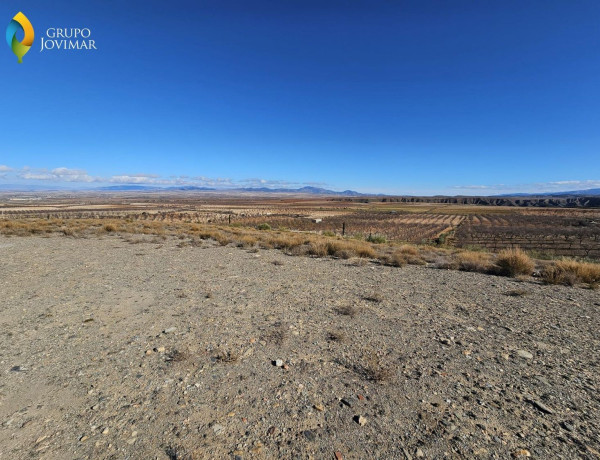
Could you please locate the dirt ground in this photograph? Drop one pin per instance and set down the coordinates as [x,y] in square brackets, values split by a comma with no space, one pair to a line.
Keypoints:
[116,350]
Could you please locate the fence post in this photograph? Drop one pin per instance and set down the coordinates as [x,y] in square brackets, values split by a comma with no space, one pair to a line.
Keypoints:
[343,228]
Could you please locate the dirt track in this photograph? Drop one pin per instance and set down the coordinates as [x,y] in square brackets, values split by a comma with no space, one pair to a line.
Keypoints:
[116,350]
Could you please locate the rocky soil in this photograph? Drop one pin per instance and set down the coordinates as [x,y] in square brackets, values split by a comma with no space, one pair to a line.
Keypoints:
[111,349]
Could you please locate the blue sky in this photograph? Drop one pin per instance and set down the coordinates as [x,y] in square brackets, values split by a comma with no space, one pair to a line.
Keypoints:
[407,97]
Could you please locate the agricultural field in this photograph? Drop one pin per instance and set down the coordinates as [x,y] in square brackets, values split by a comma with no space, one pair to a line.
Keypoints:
[543,234]
[543,231]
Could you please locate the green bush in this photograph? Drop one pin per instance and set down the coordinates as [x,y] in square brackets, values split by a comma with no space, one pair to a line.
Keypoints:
[377,239]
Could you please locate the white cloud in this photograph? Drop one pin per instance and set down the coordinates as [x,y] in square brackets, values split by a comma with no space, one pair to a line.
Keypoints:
[472,187]
[56,175]
[74,175]
[258,182]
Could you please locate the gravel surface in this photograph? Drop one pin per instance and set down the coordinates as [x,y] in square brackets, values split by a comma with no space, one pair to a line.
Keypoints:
[110,349]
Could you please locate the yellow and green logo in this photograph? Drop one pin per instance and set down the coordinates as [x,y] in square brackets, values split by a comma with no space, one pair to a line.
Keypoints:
[19,23]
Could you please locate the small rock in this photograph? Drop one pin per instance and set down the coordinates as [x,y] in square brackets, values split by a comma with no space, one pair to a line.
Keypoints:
[419,453]
[149,352]
[361,397]
[83,438]
[540,406]
[362,421]
[521,453]
[169,330]
[278,363]
[161,349]
[320,407]
[524,354]
[218,429]
[271,431]
[338,455]
[345,402]
[567,426]
[310,435]
[105,431]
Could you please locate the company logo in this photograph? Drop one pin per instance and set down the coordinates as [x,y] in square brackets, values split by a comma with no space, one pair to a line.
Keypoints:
[19,23]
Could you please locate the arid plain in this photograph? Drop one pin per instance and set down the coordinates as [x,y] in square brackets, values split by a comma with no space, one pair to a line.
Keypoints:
[167,331]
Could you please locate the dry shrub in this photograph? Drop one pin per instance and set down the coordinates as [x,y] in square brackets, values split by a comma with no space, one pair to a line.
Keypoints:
[362,249]
[334,248]
[569,272]
[226,356]
[318,249]
[397,259]
[68,231]
[513,262]
[400,258]
[445,263]
[375,370]
[246,241]
[109,228]
[473,261]
[408,249]
[358,262]
[301,250]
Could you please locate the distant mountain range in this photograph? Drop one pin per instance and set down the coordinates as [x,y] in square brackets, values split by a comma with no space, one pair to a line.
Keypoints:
[588,192]
[593,192]
[303,190]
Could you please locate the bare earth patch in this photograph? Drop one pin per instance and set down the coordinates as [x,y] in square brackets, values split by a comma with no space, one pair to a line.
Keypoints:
[116,350]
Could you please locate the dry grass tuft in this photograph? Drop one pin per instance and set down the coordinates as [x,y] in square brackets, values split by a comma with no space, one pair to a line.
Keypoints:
[397,259]
[473,261]
[318,249]
[375,370]
[400,258]
[247,241]
[570,272]
[513,262]
[408,250]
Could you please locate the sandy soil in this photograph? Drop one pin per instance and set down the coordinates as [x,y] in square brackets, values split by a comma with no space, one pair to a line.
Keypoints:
[136,351]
